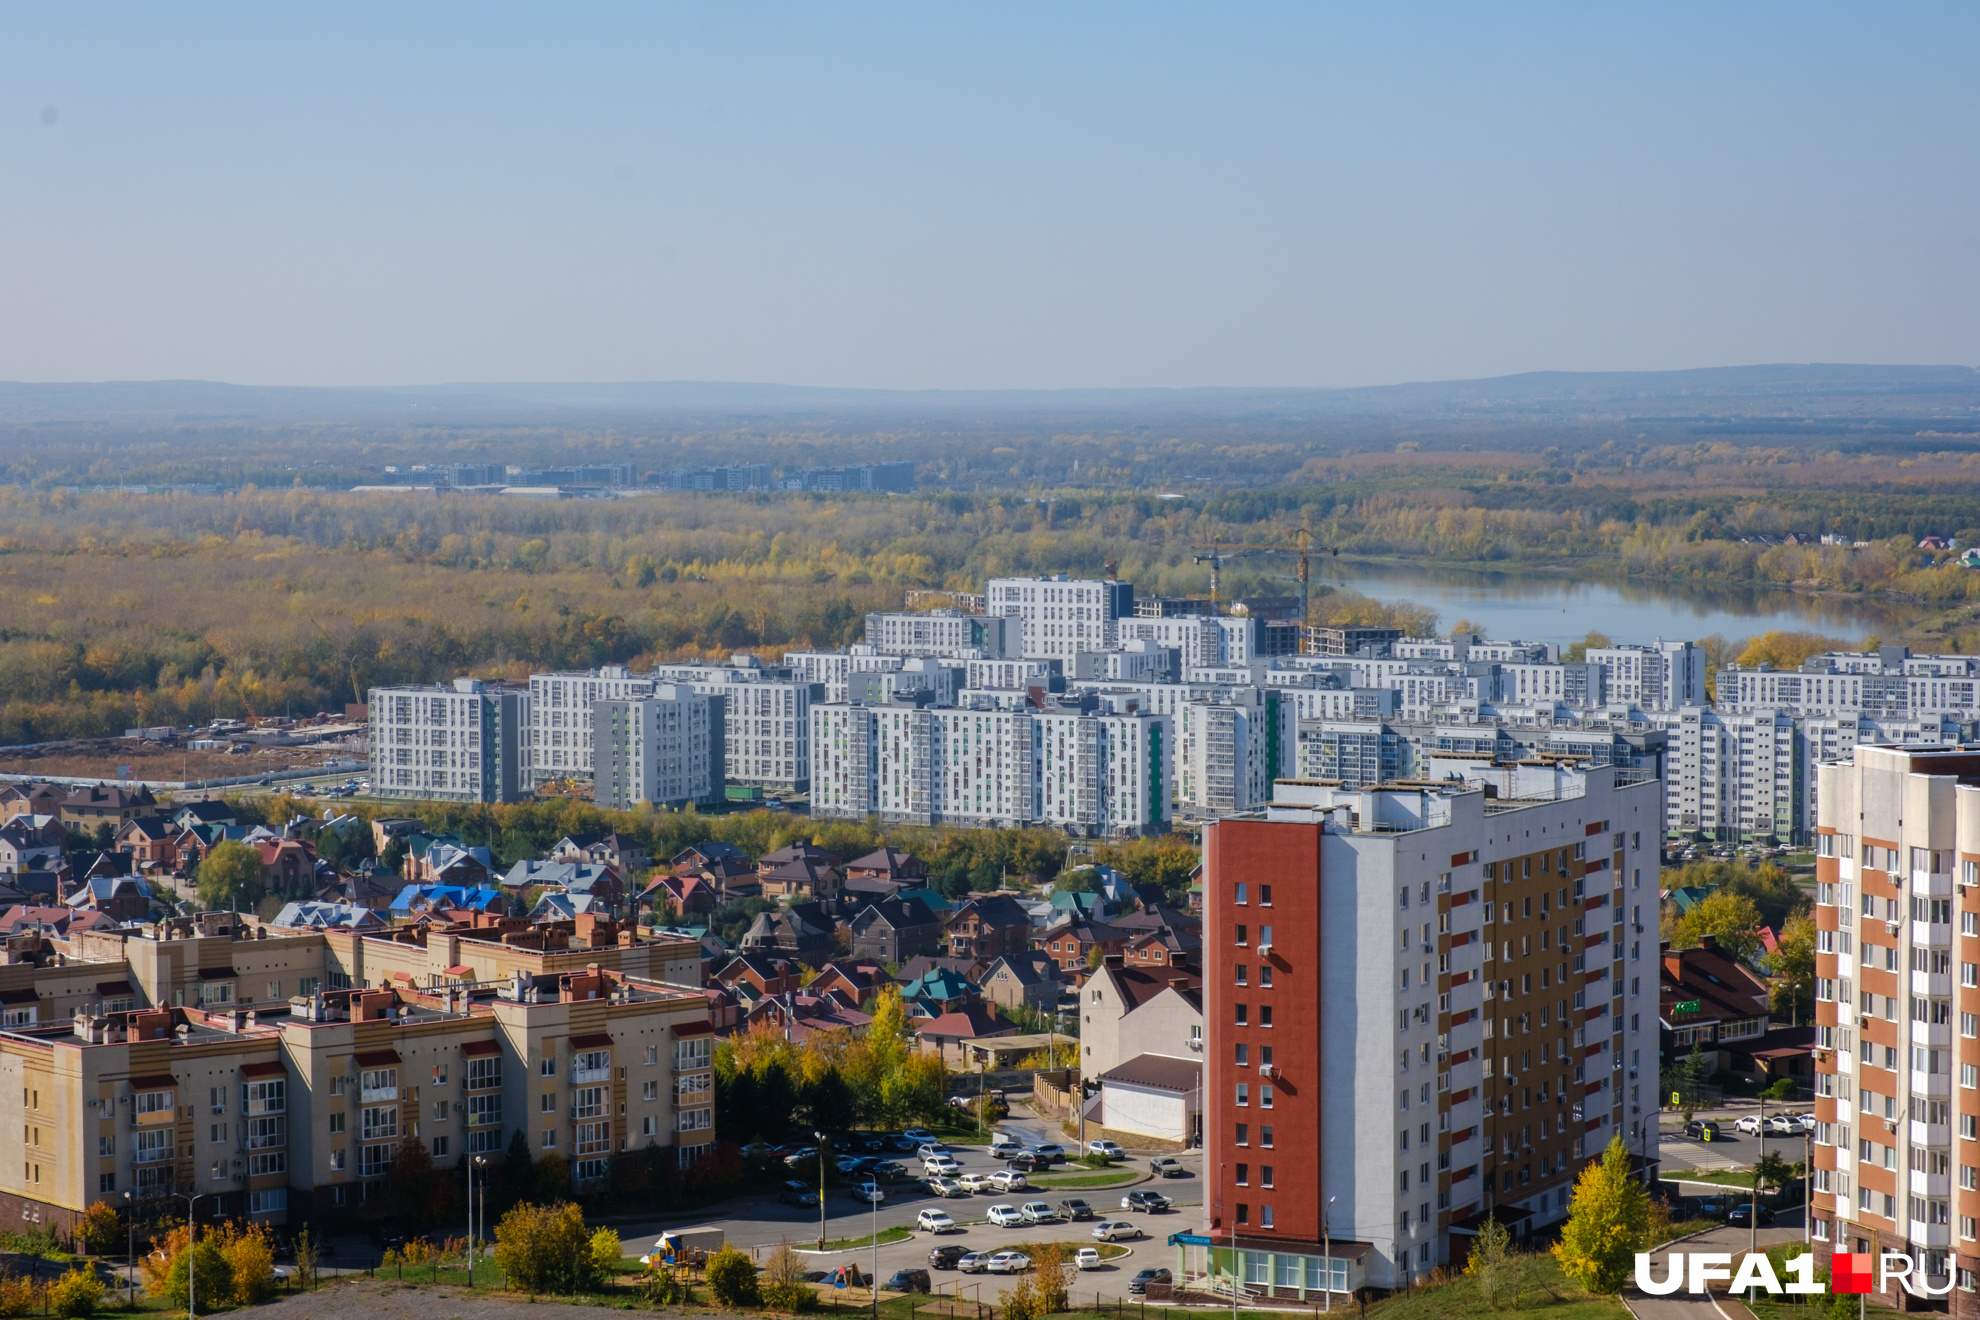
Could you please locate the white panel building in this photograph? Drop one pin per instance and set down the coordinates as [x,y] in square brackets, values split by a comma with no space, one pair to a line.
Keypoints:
[1061,616]
[664,748]
[463,741]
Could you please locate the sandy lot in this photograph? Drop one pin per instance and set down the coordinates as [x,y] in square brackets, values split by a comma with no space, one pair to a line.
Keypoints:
[381,1300]
[98,758]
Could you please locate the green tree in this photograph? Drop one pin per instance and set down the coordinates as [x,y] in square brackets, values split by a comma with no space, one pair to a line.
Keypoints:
[1793,966]
[1770,1170]
[77,1293]
[732,1278]
[206,1267]
[231,875]
[1608,1223]
[1732,918]
[544,1248]
[1491,1261]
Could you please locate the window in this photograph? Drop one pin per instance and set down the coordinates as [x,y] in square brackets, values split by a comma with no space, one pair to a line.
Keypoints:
[1240,894]
[1265,1097]
[485,1110]
[652,1055]
[1264,1015]
[152,1146]
[270,1163]
[1244,1175]
[1242,974]
[337,1162]
[548,1067]
[1243,1134]
[1243,1055]
[1242,936]
[336,1121]
[270,1201]
[1265,896]
[549,1138]
[154,1102]
[1264,1175]
[1243,1094]
[549,1102]
[1244,1015]
[651,1091]
[308,985]
[1265,1136]
[591,1066]
[380,1123]
[377,1159]
[378,1084]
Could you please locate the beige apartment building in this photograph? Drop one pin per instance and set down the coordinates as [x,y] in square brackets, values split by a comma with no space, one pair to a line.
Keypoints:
[273,1074]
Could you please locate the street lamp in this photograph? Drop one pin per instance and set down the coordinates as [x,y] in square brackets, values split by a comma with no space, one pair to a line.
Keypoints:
[819,1138]
[1327,1254]
[130,1243]
[475,1162]
[192,1237]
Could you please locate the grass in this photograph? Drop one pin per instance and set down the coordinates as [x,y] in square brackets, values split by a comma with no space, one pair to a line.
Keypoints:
[1722,1177]
[1114,1179]
[1535,1287]
[886,1235]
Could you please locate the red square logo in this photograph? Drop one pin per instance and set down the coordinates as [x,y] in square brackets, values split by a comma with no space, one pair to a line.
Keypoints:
[1849,1272]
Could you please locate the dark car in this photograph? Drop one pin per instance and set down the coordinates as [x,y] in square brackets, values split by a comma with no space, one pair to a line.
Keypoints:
[897,1143]
[867,1143]
[1139,1283]
[1742,1216]
[1702,1129]
[890,1171]
[1153,1202]
[1074,1208]
[1025,1162]
[909,1281]
[945,1257]
[797,1193]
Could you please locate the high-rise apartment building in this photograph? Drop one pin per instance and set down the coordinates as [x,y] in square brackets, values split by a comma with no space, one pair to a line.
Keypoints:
[560,717]
[465,741]
[1897,1011]
[1061,616]
[1422,1005]
[1661,676]
[944,633]
[664,748]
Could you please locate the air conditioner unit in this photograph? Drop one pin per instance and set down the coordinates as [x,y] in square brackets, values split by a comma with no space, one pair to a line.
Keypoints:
[1267,1070]
[1265,950]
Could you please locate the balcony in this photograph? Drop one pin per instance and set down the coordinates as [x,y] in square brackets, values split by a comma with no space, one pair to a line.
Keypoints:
[1936,1085]
[1931,983]
[373,1094]
[582,1075]
[1936,933]
[1931,1235]
[1930,1134]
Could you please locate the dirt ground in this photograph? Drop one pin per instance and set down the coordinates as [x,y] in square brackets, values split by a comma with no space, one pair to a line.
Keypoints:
[98,758]
[381,1300]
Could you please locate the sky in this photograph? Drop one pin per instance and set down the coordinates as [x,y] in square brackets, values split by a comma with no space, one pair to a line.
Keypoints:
[981,196]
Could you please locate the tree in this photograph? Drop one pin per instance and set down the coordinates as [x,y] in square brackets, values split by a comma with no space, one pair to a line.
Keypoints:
[732,1278]
[544,1248]
[1770,1170]
[1732,918]
[394,855]
[1793,966]
[250,1257]
[231,875]
[99,1229]
[1490,1261]
[205,1266]
[606,1250]
[782,1283]
[1054,1278]
[77,1293]
[1608,1223]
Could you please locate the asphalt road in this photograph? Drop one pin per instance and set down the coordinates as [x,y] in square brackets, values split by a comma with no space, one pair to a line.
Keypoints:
[1731,1150]
[1684,1305]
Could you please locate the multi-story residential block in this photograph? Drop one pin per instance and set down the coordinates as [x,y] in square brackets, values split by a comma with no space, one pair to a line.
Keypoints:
[665,748]
[1897,915]
[461,742]
[945,633]
[1061,616]
[1661,676]
[1494,985]
[274,1072]
[1228,753]
[561,718]
[766,719]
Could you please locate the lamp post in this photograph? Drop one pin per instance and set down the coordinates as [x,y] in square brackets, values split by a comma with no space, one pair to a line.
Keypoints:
[873,1200]
[1327,1255]
[1753,1205]
[192,1239]
[130,1243]
[474,1162]
[819,1137]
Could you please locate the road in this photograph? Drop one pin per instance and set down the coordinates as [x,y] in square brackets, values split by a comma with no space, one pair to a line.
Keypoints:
[1732,1150]
[1699,1306]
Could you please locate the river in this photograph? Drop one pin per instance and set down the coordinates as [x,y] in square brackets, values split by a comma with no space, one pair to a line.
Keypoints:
[1538,607]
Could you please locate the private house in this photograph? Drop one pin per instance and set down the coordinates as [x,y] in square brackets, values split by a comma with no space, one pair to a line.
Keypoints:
[25,846]
[855,980]
[625,855]
[801,851]
[290,865]
[203,813]
[30,799]
[707,854]
[948,1037]
[801,932]
[1029,980]
[1078,941]
[940,990]
[1166,947]
[798,1017]
[448,862]
[902,868]
[1128,1011]
[894,930]
[309,914]
[99,804]
[122,898]
[990,926]
[762,973]
[801,878]
[1707,996]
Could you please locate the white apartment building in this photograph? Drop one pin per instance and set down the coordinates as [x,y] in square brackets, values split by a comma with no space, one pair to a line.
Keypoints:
[1014,674]
[1463,1046]
[1104,772]
[766,719]
[1226,755]
[1061,616]
[949,633]
[463,741]
[560,717]
[1661,676]
[664,748]
[1195,637]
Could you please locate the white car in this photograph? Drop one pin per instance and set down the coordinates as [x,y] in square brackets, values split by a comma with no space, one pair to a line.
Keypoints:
[1748,1123]
[869,1192]
[1087,1258]
[928,1148]
[1106,1150]
[1784,1125]
[1038,1212]
[941,1165]
[975,1182]
[1006,1216]
[1007,1180]
[936,1221]
[1009,1262]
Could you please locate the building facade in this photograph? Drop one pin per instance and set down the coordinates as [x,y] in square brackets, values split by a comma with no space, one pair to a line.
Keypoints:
[1061,616]
[461,742]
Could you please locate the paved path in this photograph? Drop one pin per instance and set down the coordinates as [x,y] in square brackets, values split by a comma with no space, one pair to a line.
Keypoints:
[1706,1306]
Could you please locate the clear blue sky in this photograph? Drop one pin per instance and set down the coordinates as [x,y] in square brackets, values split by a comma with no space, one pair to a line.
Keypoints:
[940,195]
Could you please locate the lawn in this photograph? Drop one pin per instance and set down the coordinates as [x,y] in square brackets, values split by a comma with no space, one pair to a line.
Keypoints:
[887,1235]
[1722,1177]
[1114,1179]
[1536,1289]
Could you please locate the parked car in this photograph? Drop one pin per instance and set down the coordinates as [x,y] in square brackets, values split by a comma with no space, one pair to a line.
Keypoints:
[1008,1180]
[1087,1258]
[1009,1262]
[1749,1123]
[918,1135]
[946,1187]
[936,1221]
[1742,1216]
[945,1257]
[1072,1208]
[757,1150]
[975,1182]
[973,1262]
[1003,1143]
[868,1192]
[1106,1150]
[927,1148]
[1153,1202]
[890,1171]
[1165,1167]
[851,1164]
[1785,1125]
[1038,1212]
[796,1193]
[1025,1162]
[1702,1129]
[941,1164]
[1006,1216]
[1116,1230]
[898,1143]
[1051,1152]
[909,1281]
[1139,1283]
[803,1155]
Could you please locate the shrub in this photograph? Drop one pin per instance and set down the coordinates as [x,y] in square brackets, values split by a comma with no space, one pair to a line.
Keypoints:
[97,1233]
[783,1282]
[1054,1279]
[210,1273]
[544,1248]
[732,1278]
[79,1292]
[605,1250]
[251,1257]
[18,1296]
[1021,1300]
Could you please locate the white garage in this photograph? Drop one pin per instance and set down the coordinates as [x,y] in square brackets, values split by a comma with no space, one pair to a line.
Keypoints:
[1153,1095]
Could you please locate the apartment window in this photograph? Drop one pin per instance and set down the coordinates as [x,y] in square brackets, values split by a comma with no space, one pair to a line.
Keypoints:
[1244,1134]
[1243,935]
[1264,1175]
[1265,1136]
[1243,1055]
[548,1067]
[308,985]
[549,1138]
[1244,1175]
[1243,1094]
[1265,896]
[439,1111]
[1265,1097]
[652,1055]
[1240,897]
[549,1102]
[1243,1213]
[1243,974]
[1264,1015]
[336,1122]
[1243,1015]
[651,1091]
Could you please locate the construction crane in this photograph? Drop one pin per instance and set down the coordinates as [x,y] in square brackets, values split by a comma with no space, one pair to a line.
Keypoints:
[1222,552]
